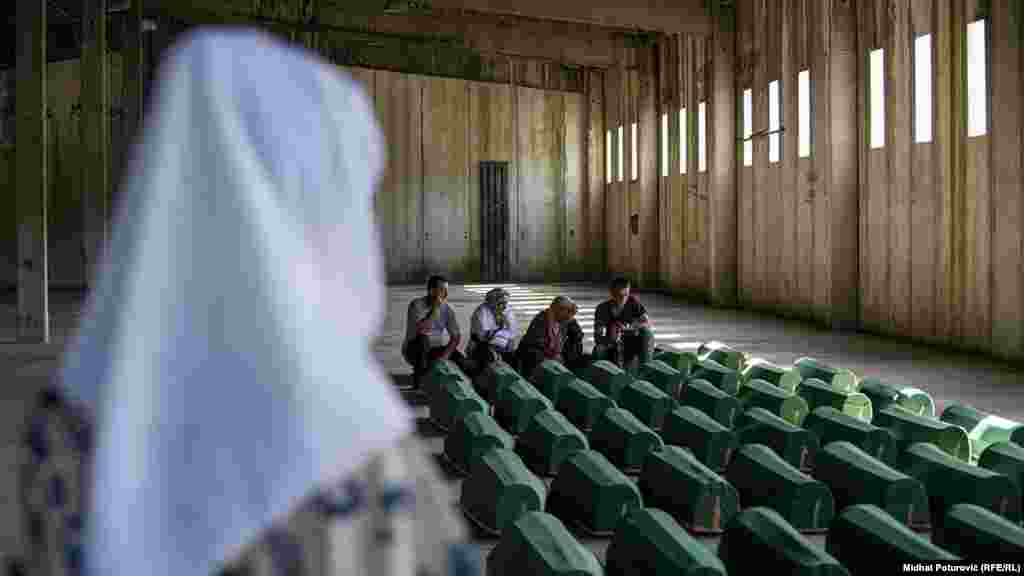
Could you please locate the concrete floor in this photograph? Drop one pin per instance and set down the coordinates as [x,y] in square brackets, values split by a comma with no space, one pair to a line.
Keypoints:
[987,385]
[949,377]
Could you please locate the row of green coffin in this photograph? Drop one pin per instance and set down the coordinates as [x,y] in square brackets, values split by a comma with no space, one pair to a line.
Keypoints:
[845,473]
[585,404]
[626,441]
[841,389]
[863,539]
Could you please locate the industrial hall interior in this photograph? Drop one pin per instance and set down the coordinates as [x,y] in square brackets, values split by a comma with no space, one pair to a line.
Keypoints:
[511,287]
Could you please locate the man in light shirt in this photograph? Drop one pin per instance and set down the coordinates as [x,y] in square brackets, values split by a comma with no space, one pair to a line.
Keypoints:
[492,330]
[431,331]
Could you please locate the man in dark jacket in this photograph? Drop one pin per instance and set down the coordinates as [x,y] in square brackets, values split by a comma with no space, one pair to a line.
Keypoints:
[622,329]
[554,334]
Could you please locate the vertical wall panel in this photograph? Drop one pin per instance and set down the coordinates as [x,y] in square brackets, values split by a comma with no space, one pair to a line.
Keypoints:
[572,188]
[645,197]
[805,198]
[977,319]
[447,209]
[399,197]
[596,252]
[899,83]
[1007,185]
[924,197]
[788,168]
[540,184]
[746,219]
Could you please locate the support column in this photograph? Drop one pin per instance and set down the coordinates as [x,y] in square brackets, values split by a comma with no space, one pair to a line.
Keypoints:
[31,189]
[723,240]
[95,132]
[134,58]
[841,61]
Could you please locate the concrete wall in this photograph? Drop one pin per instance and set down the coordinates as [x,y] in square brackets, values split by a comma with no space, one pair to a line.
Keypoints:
[437,132]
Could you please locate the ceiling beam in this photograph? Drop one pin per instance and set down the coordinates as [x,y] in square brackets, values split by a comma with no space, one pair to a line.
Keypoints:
[668,16]
[578,44]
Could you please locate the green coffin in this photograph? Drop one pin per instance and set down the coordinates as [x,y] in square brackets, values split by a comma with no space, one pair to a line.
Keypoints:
[673,480]
[650,541]
[762,478]
[951,481]
[550,377]
[795,445]
[854,477]
[723,354]
[679,359]
[1006,458]
[548,441]
[909,429]
[884,395]
[840,379]
[759,540]
[440,372]
[538,544]
[760,369]
[725,379]
[975,533]
[761,394]
[608,378]
[518,404]
[623,439]
[819,394]
[474,435]
[864,534]
[664,377]
[494,379]
[500,490]
[706,438]
[583,404]
[647,402]
[983,429]
[702,395]
[592,494]
[455,399]
[831,425]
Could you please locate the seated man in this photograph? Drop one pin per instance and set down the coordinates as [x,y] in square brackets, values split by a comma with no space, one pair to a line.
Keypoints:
[432,330]
[622,329]
[492,331]
[553,334]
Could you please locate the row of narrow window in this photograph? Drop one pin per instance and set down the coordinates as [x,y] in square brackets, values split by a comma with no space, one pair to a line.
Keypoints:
[977,111]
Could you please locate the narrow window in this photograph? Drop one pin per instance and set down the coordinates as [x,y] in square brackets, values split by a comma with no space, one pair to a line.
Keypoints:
[923,88]
[804,105]
[702,131]
[622,148]
[608,167]
[683,137]
[877,104]
[748,127]
[664,144]
[633,152]
[977,97]
[774,104]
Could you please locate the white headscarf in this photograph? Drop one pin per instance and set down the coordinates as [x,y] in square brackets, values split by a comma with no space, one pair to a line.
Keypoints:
[225,352]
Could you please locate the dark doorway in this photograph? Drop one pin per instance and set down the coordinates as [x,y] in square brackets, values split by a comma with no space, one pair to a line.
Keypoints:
[494,216]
